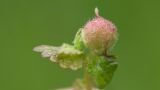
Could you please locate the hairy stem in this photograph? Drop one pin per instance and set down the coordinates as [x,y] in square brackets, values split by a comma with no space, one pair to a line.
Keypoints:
[87,78]
[88,81]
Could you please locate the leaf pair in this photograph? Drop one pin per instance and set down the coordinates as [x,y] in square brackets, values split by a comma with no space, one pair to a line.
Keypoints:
[100,68]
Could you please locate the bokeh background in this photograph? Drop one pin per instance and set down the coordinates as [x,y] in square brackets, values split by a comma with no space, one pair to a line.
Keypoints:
[28,23]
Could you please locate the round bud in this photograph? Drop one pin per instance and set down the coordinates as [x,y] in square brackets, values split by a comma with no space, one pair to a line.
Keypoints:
[99,34]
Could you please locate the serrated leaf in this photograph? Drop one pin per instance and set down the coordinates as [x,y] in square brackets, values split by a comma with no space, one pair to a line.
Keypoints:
[101,70]
[66,55]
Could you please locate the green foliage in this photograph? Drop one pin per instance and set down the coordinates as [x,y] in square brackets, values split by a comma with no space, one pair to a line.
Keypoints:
[66,55]
[101,69]
[78,42]
[73,57]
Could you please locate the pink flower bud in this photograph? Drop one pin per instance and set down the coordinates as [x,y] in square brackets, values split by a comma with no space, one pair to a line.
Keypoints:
[99,34]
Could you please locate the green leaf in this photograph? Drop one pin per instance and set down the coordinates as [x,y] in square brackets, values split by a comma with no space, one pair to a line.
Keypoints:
[78,41]
[66,55]
[101,70]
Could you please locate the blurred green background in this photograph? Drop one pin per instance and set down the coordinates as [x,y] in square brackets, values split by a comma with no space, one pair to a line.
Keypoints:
[25,24]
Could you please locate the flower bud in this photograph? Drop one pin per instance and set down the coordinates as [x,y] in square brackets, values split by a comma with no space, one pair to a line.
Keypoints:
[99,34]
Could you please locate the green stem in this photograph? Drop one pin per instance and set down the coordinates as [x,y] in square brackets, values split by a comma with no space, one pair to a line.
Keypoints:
[87,78]
[88,81]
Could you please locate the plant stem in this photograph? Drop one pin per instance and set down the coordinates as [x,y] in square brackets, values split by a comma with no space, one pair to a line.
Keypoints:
[87,78]
[88,81]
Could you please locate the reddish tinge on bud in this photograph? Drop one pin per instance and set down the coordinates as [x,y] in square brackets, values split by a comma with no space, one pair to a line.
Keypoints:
[99,34]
